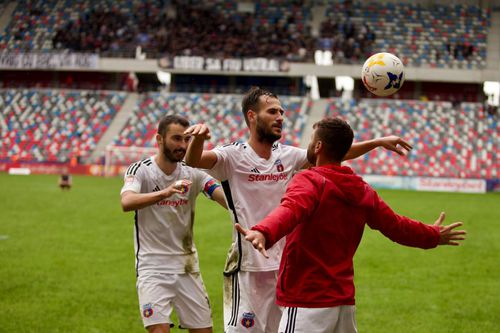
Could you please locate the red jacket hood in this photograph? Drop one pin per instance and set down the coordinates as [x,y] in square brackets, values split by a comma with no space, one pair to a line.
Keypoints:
[347,186]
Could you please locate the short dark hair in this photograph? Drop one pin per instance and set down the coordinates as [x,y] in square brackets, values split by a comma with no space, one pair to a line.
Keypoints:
[171,119]
[251,100]
[336,135]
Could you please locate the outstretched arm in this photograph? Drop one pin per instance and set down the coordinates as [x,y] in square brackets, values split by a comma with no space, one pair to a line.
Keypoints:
[195,156]
[133,201]
[392,143]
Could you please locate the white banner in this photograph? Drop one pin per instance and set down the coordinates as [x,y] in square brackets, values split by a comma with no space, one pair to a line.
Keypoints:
[451,185]
[427,184]
[229,64]
[386,182]
[48,60]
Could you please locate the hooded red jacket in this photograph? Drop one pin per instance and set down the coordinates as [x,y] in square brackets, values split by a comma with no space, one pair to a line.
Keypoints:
[323,214]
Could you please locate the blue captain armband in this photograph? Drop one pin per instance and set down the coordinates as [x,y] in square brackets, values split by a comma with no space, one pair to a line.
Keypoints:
[210,187]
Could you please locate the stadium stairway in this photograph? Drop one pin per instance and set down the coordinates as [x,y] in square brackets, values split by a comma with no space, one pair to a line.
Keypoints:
[317,113]
[6,16]
[116,126]
[493,42]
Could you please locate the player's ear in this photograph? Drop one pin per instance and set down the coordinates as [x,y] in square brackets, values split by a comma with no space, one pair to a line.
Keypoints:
[251,114]
[159,139]
[318,147]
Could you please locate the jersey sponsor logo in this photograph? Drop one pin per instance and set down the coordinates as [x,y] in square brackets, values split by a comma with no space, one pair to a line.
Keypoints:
[147,310]
[248,319]
[275,177]
[173,203]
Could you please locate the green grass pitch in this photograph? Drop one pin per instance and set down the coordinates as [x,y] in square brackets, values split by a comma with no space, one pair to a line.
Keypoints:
[67,262]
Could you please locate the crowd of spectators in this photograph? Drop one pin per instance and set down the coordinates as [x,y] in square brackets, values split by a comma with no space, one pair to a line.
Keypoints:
[349,42]
[183,30]
[436,36]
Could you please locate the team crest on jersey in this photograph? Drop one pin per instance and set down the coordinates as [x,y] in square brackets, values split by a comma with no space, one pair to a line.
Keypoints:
[147,310]
[279,165]
[248,319]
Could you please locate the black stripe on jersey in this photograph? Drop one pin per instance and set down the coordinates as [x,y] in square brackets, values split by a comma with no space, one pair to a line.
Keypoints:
[235,143]
[236,301]
[156,189]
[231,144]
[290,322]
[136,218]
[255,170]
[230,203]
[130,168]
[275,146]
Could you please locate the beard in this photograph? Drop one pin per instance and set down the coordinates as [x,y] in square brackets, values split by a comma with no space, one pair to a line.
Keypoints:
[311,158]
[173,156]
[266,134]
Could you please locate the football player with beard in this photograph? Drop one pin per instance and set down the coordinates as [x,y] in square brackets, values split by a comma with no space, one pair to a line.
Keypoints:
[162,191]
[254,176]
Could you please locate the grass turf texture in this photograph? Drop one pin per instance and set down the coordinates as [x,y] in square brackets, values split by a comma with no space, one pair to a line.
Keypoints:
[67,262]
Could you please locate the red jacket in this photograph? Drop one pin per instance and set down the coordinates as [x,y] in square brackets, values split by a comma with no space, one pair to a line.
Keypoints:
[323,214]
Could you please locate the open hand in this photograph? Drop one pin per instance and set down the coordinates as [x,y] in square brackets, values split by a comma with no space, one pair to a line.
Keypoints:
[395,143]
[448,236]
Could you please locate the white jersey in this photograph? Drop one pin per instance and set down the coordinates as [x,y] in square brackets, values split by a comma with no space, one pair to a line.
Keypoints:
[164,231]
[254,187]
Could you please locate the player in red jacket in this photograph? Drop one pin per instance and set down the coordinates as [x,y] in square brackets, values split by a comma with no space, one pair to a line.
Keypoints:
[323,214]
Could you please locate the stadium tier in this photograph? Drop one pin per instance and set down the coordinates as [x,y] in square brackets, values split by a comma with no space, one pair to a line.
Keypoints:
[57,125]
[222,113]
[458,142]
[54,125]
[436,36]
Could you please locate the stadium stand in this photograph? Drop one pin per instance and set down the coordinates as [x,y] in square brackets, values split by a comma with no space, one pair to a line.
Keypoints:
[436,36]
[214,28]
[459,142]
[54,125]
[222,113]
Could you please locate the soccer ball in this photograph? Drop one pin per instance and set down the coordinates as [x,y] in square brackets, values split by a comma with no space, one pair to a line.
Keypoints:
[383,74]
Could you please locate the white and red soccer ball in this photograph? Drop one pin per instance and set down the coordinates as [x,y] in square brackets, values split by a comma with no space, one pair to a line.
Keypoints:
[383,74]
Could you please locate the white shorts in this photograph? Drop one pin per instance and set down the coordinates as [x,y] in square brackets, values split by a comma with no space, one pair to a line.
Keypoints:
[160,293]
[250,302]
[338,319]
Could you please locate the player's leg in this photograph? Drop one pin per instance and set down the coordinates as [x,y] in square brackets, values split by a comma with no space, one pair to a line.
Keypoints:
[192,305]
[159,328]
[249,302]
[275,311]
[156,293]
